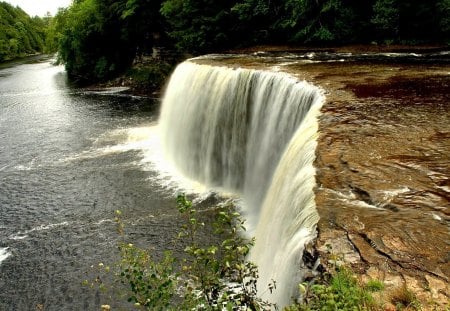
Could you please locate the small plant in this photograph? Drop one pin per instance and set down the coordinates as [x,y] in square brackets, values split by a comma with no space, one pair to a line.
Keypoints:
[207,277]
[152,283]
[374,286]
[340,292]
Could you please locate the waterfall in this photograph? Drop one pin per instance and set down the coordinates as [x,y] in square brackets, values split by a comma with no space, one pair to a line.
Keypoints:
[253,133]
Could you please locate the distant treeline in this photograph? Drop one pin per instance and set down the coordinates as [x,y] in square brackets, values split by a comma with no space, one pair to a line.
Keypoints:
[20,34]
[98,39]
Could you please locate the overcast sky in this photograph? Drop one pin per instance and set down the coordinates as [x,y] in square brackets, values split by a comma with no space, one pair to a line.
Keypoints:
[40,7]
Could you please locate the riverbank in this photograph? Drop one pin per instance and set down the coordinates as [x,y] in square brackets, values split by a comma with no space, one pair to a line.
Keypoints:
[148,74]
[30,58]
[356,48]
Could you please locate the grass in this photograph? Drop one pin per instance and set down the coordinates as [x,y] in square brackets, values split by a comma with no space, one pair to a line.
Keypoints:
[374,286]
[341,292]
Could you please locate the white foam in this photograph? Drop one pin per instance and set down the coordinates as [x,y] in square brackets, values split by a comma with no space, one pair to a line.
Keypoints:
[24,234]
[4,254]
[102,221]
[350,198]
[388,195]
[168,176]
[436,216]
[25,167]
[114,142]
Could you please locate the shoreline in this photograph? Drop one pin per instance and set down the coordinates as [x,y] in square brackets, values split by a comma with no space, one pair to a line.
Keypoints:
[145,88]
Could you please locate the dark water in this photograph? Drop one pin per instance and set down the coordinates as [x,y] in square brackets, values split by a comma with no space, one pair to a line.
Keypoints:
[68,159]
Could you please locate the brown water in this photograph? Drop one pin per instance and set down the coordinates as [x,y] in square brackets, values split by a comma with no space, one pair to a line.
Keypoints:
[383,160]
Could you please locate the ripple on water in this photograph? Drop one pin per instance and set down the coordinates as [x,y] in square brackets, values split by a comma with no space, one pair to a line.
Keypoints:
[24,234]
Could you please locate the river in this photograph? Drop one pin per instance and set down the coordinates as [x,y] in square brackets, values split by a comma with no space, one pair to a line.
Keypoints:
[69,159]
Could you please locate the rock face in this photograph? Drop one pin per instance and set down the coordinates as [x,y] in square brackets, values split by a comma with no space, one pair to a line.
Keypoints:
[383,163]
[383,174]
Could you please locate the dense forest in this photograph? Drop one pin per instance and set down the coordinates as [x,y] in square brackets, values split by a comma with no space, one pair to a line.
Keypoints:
[20,34]
[98,39]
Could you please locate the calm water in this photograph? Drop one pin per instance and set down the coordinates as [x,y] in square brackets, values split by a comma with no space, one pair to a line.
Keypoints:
[68,159]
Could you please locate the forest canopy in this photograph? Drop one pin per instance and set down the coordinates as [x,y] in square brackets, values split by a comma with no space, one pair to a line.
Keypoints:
[20,34]
[99,39]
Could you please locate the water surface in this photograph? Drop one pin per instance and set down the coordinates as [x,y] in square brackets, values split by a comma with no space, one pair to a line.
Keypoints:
[69,159]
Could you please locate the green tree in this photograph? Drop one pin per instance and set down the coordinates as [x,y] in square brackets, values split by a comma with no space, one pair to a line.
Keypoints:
[144,24]
[54,27]
[199,25]
[324,21]
[417,21]
[386,19]
[93,44]
[443,17]
[100,38]
[19,34]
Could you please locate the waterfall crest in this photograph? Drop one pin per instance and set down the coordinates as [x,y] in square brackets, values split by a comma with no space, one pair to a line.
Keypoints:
[254,133]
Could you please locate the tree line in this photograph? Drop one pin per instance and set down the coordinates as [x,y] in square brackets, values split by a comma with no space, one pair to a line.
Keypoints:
[20,34]
[98,39]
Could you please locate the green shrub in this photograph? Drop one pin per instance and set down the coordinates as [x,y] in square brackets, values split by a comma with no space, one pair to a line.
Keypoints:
[341,292]
[152,75]
[207,277]
[374,286]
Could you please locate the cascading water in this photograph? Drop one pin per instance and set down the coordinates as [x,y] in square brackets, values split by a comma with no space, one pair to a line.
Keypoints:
[254,133]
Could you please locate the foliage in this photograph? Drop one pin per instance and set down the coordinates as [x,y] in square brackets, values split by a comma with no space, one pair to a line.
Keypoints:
[150,76]
[199,25]
[98,39]
[19,33]
[207,277]
[386,19]
[312,21]
[54,30]
[91,44]
[341,292]
[152,283]
[443,18]
[374,285]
